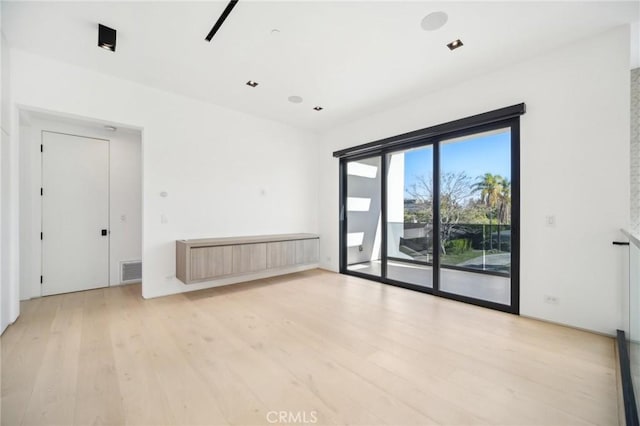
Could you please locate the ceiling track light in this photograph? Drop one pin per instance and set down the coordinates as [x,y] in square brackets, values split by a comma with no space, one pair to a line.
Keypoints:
[251,83]
[318,108]
[225,13]
[106,38]
[455,44]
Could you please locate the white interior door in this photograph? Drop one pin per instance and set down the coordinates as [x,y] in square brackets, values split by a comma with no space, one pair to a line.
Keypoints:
[75,213]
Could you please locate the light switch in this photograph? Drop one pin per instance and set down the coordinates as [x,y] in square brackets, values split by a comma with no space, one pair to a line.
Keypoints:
[163,219]
[123,218]
[550,220]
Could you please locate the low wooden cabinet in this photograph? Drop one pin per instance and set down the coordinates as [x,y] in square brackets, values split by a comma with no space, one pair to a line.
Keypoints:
[245,258]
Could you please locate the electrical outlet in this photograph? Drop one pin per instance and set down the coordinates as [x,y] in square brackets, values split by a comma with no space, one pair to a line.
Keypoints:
[552,300]
[360,248]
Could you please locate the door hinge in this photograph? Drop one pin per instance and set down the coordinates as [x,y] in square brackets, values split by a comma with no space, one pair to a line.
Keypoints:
[41,148]
[41,235]
[41,192]
[40,279]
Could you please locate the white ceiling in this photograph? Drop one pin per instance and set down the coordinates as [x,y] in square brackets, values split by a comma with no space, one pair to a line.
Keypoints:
[352,58]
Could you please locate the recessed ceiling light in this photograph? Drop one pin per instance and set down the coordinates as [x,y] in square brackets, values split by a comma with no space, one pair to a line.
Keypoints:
[295,99]
[275,32]
[434,21]
[111,128]
[252,83]
[455,44]
[318,108]
[106,38]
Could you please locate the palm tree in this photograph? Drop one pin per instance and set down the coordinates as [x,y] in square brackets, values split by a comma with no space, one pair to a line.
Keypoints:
[505,206]
[490,187]
[505,201]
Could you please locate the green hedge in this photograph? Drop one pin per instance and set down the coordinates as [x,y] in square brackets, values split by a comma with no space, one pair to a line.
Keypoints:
[458,246]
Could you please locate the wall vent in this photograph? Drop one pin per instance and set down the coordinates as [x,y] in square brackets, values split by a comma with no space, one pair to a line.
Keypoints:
[130,271]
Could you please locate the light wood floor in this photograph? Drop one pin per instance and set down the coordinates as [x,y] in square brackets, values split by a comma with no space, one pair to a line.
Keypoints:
[318,345]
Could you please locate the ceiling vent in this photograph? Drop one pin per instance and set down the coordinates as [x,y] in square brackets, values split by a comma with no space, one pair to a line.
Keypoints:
[434,21]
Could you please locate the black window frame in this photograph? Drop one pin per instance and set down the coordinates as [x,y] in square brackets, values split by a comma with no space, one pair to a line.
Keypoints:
[503,118]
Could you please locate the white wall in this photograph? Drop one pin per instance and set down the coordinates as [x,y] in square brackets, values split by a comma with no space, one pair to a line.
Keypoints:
[226,173]
[4,137]
[9,305]
[125,196]
[574,165]
[125,201]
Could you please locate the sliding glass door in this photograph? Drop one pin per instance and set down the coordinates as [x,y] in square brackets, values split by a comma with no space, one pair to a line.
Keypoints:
[409,216]
[475,216]
[437,210]
[363,216]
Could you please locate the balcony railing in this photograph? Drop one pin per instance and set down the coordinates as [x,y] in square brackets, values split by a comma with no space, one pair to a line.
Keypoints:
[470,246]
[629,337]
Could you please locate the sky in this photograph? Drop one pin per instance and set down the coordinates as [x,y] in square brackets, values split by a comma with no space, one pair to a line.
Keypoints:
[476,156]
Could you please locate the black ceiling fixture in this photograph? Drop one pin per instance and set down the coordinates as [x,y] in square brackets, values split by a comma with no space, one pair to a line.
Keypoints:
[318,108]
[106,37]
[225,13]
[251,83]
[455,44]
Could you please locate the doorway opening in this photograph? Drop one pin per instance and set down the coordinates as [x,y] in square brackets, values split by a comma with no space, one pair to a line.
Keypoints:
[80,206]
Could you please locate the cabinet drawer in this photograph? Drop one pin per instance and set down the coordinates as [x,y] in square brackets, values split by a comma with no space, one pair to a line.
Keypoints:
[249,258]
[281,254]
[211,262]
[307,251]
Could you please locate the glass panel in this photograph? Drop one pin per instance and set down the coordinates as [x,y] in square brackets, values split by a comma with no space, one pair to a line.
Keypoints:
[475,216]
[633,337]
[410,216]
[363,216]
